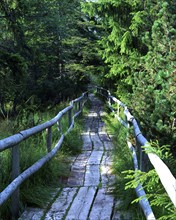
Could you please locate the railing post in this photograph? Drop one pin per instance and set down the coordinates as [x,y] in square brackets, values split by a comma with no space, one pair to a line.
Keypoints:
[75,107]
[59,126]
[15,201]
[143,160]
[49,138]
[69,117]
[110,101]
[80,104]
[118,109]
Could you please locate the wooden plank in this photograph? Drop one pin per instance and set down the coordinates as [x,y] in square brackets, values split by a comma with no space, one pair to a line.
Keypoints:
[84,155]
[76,178]
[104,136]
[87,123]
[92,176]
[108,145]
[107,177]
[103,206]
[78,169]
[94,126]
[101,126]
[32,214]
[87,143]
[61,204]
[95,157]
[97,144]
[81,205]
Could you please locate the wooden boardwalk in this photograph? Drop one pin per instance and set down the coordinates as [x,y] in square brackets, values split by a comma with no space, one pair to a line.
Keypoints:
[88,191]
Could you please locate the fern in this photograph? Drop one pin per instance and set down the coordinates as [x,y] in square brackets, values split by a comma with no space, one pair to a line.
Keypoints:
[155,192]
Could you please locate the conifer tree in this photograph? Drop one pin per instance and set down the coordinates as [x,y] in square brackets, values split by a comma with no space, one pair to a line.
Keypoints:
[139,48]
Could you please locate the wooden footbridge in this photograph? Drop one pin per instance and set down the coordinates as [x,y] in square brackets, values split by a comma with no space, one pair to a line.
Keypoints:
[87,193]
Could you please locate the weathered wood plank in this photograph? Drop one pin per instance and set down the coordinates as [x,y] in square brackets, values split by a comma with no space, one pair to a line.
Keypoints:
[92,176]
[78,169]
[95,157]
[108,145]
[61,204]
[97,144]
[84,156]
[102,208]
[103,136]
[32,214]
[76,178]
[87,143]
[107,177]
[81,205]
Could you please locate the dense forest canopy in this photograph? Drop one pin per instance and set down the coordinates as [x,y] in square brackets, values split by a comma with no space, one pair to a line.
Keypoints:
[52,49]
[43,52]
[139,48]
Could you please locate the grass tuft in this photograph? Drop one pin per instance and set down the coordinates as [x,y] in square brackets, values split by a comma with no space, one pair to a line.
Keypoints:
[122,161]
[37,190]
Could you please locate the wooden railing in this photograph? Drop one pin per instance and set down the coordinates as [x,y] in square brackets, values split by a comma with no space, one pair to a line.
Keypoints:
[167,179]
[73,110]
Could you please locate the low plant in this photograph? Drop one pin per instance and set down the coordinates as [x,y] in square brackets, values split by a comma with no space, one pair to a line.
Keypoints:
[122,161]
[161,204]
[38,188]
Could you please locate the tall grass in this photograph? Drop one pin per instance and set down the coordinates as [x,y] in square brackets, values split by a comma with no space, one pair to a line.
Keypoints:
[122,161]
[38,188]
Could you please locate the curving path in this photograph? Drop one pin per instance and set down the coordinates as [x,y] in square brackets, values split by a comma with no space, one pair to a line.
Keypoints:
[87,193]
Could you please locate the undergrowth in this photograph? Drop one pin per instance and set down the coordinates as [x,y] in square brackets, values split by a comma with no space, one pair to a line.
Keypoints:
[160,202]
[127,179]
[122,161]
[38,188]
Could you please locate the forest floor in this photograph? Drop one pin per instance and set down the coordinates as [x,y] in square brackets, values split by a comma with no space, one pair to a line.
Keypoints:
[87,193]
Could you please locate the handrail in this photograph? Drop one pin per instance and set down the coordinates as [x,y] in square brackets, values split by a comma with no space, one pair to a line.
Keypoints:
[22,135]
[14,141]
[165,175]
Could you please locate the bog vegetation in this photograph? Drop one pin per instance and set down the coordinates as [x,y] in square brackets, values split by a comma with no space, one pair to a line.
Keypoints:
[51,50]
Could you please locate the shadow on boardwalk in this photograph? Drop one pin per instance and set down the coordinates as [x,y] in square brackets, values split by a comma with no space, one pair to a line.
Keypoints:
[87,193]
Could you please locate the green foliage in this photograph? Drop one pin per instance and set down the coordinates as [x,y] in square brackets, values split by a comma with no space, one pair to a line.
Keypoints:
[40,187]
[158,198]
[138,46]
[73,145]
[122,160]
[39,56]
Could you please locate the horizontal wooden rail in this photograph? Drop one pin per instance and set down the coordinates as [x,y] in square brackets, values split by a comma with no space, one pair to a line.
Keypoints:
[165,175]
[14,142]
[7,192]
